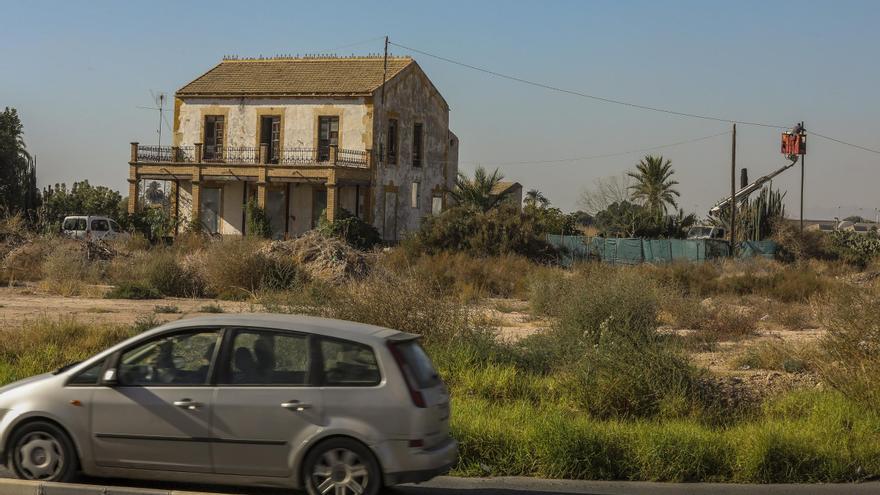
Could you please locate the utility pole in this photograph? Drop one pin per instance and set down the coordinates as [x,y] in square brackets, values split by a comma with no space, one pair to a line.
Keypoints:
[802,184]
[733,194]
[384,70]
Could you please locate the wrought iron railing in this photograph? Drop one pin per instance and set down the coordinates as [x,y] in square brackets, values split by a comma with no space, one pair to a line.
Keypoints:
[298,156]
[251,155]
[165,154]
[352,158]
[231,154]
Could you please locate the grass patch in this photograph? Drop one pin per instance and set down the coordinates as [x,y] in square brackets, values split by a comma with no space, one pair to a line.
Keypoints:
[166,309]
[211,308]
[775,356]
[128,290]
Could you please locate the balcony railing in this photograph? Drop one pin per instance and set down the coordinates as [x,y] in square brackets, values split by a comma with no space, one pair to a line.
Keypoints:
[243,155]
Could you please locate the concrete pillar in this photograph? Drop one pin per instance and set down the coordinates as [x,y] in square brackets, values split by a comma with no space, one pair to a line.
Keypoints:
[369,158]
[134,153]
[175,200]
[198,152]
[175,153]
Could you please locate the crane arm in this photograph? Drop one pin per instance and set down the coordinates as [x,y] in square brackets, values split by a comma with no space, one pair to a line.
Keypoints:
[749,189]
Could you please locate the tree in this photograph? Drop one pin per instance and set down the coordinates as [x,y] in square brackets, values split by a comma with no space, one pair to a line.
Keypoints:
[17,170]
[654,186]
[605,192]
[625,219]
[82,199]
[535,198]
[154,193]
[476,193]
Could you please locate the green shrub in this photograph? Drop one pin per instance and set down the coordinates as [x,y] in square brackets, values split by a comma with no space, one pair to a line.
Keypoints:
[167,309]
[67,269]
[129,290]
[211,308]
[354,231]
[501,230]
[257,223]
[163,271]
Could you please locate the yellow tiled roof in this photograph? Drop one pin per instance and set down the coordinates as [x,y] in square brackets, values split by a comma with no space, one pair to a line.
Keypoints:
[294,76]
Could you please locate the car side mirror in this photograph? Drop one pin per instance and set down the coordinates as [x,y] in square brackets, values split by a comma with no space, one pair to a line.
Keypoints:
[110,378]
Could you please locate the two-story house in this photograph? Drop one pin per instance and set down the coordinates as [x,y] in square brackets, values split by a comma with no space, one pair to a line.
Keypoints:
[304,138]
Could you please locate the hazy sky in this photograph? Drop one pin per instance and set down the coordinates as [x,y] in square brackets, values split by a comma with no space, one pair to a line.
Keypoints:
[77,71]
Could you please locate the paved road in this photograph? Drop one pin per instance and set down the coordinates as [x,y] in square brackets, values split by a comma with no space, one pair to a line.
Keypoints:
[446,485]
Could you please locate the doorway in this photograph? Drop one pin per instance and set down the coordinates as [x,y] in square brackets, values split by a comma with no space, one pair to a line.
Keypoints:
[270,135]
[210,208]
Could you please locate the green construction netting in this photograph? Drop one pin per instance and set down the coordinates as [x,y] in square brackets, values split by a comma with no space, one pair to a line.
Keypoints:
[627,251]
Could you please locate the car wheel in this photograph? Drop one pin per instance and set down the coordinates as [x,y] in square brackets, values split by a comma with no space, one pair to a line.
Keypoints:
[341,466]
[42,451]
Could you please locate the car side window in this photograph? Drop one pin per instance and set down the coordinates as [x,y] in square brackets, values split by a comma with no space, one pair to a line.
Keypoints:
[179,359]
[115,226]
[88,376]
[349,364]
[263,357]
[100,225]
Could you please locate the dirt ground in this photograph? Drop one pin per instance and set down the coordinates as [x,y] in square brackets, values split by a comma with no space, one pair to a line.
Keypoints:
[19,304]
[512,317]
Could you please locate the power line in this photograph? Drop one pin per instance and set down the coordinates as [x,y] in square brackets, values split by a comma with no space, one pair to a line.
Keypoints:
[609,155]
[843,142]
[586,95]
[624,103]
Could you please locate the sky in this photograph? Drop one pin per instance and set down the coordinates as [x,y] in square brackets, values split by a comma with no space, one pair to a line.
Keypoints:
[78,72]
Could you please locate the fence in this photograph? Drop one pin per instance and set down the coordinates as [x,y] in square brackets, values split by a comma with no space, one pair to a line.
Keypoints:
[625,251]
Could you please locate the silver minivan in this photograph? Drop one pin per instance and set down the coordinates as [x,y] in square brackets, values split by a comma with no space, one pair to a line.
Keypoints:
[253,399]
[91,227]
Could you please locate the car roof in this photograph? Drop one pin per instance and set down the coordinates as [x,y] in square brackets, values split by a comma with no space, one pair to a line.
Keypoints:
[341,329]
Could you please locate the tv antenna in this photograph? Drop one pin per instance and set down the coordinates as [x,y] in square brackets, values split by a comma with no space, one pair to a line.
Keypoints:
[159,98]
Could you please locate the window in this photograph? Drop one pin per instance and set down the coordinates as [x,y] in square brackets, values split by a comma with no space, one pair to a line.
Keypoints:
[418,143]
[268,358]
[100,225]
[328,135]
[436,205]
[179,359]
[416,199]
[392,141]
[89,376]
[270,135]
[349,364]
[214,133]
[115,226]
[419,364]
[75,224]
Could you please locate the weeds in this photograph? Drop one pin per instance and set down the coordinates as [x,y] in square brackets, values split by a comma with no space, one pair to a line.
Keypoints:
[211,308]
[166,309]
[128,290]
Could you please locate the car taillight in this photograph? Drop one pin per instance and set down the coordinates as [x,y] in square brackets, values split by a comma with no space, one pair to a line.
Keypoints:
[418,443]
[414,393]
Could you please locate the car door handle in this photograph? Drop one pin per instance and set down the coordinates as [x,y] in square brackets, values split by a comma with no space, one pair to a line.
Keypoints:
[296,405]
[188,404]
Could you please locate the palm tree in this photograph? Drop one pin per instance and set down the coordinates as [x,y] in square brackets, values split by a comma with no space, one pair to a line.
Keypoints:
[654,187]
[477,192]
[536,199]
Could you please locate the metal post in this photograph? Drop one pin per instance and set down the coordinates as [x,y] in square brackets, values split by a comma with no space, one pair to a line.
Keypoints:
[733,193]
[802,193]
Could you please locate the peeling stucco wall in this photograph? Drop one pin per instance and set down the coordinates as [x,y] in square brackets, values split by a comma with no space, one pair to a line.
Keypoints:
[411,98]
[299,120]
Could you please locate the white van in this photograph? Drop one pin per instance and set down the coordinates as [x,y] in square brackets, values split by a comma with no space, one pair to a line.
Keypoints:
[91,227]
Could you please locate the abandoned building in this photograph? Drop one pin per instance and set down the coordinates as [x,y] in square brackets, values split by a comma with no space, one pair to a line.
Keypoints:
[304,138]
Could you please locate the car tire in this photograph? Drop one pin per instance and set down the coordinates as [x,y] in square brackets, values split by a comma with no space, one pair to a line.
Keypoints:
[341,463]
[42,451]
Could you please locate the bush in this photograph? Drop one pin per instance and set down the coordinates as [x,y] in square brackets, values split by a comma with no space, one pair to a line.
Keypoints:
[775,356]
[851,348]
[129,290]
[257,223]
[354,231]
[464,277]
[502,230]
[67,269]
[233,268]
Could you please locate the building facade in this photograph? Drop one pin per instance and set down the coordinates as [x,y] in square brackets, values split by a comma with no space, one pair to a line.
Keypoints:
[304,138]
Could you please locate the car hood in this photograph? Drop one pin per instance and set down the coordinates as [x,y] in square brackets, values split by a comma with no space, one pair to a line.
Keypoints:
[20,383]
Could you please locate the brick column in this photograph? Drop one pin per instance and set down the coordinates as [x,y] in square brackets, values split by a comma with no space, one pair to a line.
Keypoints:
[262,181]
[132,190]
[134,152]
[331,193]
[197,192]
[334,153]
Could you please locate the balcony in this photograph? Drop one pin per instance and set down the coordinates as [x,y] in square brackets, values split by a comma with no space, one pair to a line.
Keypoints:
[199,154]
